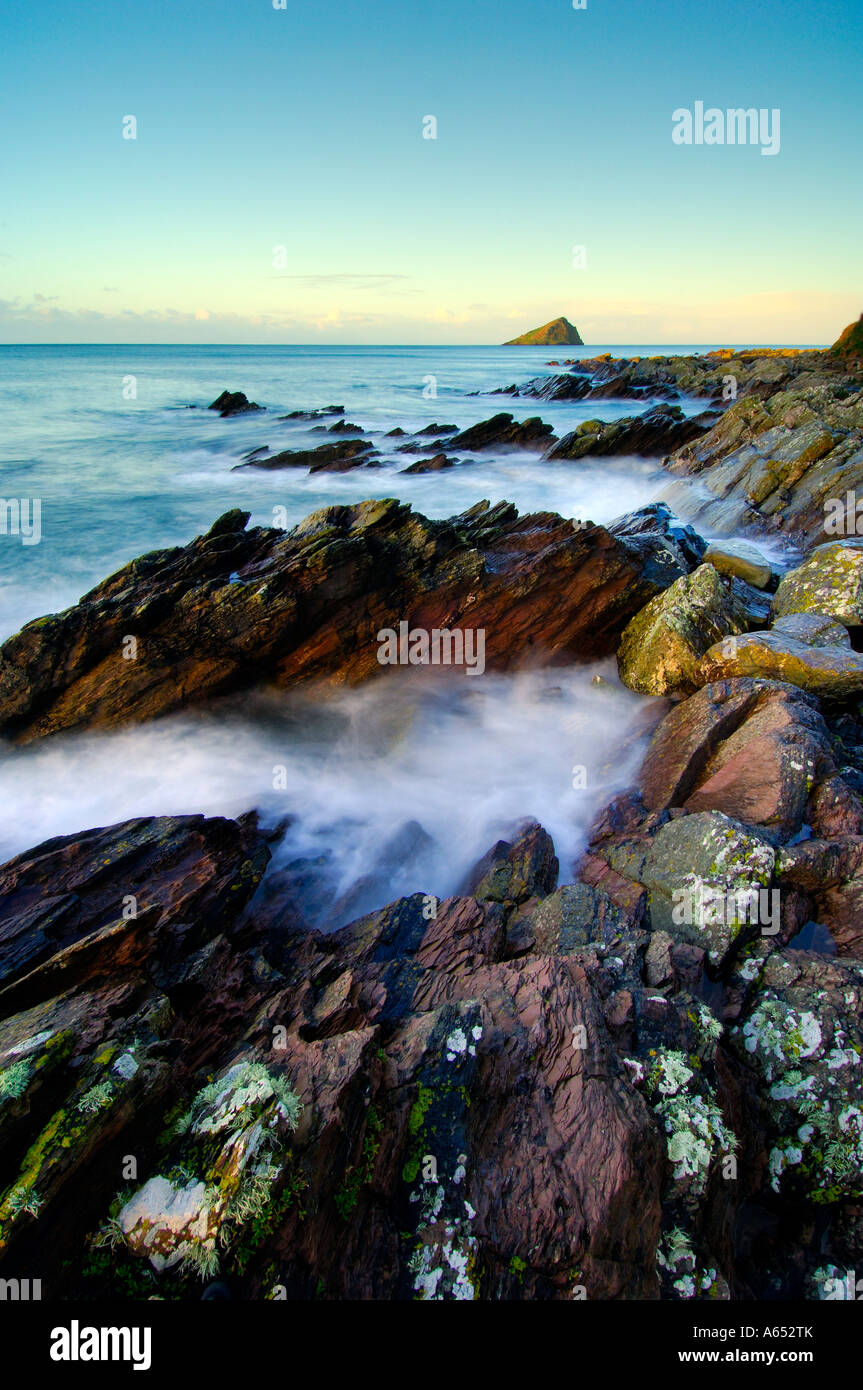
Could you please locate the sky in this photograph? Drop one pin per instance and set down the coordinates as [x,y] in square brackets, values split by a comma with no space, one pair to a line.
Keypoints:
[280,188]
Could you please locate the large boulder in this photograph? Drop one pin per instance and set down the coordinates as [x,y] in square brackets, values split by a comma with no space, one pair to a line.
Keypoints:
[752,749]
[830,582]
[661,648]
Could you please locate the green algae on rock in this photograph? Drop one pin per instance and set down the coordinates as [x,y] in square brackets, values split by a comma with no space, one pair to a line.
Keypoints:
[661,648]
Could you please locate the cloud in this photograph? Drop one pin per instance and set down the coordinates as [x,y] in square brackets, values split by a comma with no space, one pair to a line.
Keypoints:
[345,281]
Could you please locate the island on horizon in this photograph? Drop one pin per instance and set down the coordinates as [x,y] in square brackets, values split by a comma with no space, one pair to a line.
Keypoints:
[555,334]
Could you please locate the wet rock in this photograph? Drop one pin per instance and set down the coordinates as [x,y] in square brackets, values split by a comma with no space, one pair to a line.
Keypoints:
[502,431]
[829,582]
[326,458]
[656,432]
[319,414]
[237,608]
[432,465]
[514,872]
[661,648]
[740,559]
[833,671]
[233,403]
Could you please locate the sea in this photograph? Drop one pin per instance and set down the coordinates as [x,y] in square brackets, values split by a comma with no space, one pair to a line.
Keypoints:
[402,784]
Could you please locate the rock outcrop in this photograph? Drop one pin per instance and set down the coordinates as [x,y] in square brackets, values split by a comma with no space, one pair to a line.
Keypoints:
[237,608]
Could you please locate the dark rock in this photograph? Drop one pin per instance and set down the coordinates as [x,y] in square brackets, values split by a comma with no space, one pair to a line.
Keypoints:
[233,403]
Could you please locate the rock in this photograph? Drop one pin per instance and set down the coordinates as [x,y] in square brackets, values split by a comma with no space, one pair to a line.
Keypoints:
[551,334]
[327,458]
[813,629]
[432,465]
[233,403]
[319,414]
[234,610]
[661,648]
[512,873]
[436,429]
[656,432]
[829,583]
[785,462]
[802,1040]
[344,427]
[573,916]
[740,559]
[751,749]
[828,671]
[501,431]
[701,872]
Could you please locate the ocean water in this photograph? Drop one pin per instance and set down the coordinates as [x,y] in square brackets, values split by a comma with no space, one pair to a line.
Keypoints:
[406,782]
[117,477]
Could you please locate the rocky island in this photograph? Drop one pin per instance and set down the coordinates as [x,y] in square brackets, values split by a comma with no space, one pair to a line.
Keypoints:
[555,334]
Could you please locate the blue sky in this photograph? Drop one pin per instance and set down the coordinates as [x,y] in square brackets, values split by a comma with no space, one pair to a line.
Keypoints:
[302,129]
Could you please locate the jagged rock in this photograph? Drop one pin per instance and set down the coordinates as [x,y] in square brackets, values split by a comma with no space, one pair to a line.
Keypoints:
[326,458]
[783,460]
[513,873]
[236,608]
[500,432]
[661,648]
[829,582]
[432,465]
[744,561]
[833,671]
[658,431]
[233,403]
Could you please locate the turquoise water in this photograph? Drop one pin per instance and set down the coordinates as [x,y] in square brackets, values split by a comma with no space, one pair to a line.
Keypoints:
[117,477]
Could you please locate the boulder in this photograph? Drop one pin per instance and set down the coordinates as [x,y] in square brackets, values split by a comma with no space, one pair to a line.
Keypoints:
[752,749]
[739,558]
[704,874]
[833,671]
[661,648]
[829,582]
